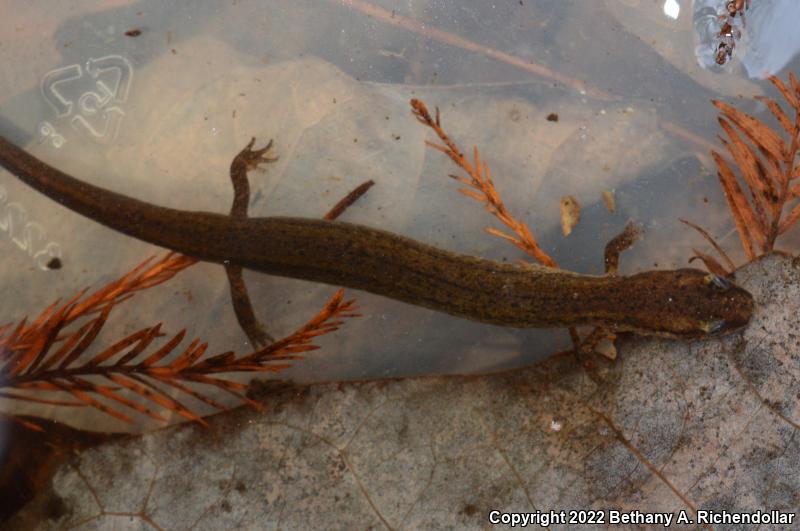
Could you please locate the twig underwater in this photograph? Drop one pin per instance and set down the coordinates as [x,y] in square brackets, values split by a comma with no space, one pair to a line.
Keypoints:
[133,375]
[480,187]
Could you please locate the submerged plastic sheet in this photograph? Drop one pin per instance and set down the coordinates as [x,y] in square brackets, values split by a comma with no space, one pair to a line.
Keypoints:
[158,115]
[772,38]
[764,37]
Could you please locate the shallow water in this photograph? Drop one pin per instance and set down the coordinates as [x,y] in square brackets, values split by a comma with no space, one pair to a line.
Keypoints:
[159,116]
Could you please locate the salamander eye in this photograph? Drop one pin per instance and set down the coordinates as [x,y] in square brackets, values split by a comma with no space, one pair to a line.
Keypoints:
[715,327]
[718,282]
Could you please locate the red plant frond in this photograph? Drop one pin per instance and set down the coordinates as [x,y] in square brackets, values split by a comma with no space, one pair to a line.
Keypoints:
[480,187]
[44,362]
[766,163]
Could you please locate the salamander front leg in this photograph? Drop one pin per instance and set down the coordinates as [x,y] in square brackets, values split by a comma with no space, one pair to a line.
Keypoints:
[243,308]
[621,242]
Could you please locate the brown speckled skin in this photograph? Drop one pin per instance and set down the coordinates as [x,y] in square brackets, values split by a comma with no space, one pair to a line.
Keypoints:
[674,303]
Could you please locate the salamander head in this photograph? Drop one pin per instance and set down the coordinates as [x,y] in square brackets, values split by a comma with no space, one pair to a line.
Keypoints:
[687,303]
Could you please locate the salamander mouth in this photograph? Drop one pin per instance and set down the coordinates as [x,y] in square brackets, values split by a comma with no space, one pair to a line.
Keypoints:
[721,327]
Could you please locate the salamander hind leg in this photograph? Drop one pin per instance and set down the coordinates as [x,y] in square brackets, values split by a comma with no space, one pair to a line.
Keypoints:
[243,308]
[247,159]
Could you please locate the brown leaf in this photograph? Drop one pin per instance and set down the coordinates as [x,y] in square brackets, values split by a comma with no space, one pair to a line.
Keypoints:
[111,395]
[787,94]
[570,211]
[8,345]
[39,400]
[777,111]
[90,401]
[761,135]
[66,346]
[503,235]
[22,422]
[88,338]
[231,387]
[770,166]
[39,385]
[789,220]
[220,359]
[153,332]
[473,194]
[149,392]
[608,198]
[759,201]
[27,350]
[762,186]
[26,365]
[47,313]
[796,87]
[43,344]
[191,392]
[165,349]
[742,213]
[118,347]
[192,353]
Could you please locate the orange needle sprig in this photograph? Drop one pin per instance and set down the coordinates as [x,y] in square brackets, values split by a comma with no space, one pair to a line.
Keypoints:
[480,187]
[44,361]
[766,162]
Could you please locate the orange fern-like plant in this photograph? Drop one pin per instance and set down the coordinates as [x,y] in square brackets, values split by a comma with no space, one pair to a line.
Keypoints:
[43,361]
[767,164]
[480,187]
